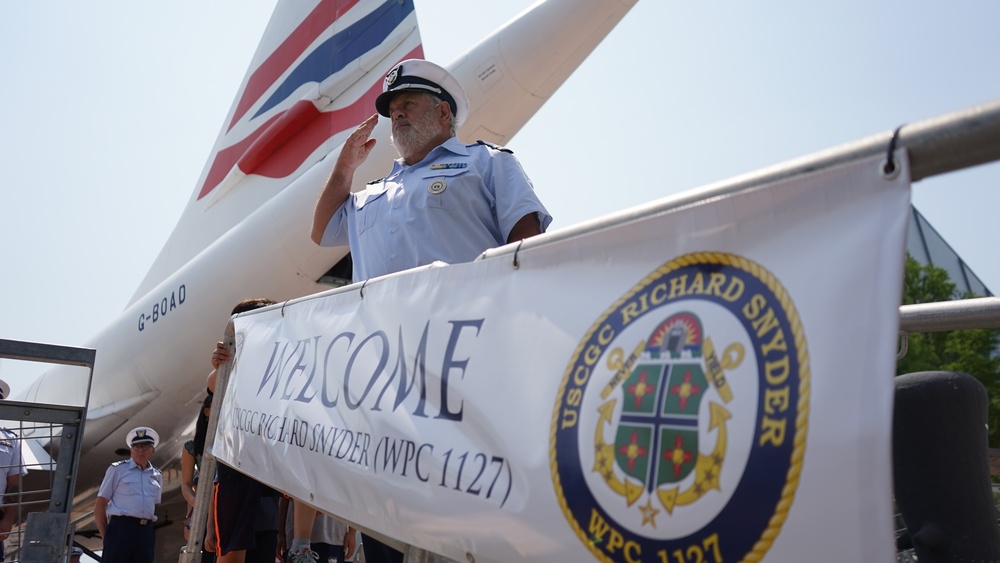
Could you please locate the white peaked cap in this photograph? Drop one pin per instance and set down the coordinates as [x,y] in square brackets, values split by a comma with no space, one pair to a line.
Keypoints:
[142,435]
[418,75]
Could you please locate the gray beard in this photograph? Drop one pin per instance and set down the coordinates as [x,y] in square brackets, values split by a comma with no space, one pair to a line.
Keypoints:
[416,136]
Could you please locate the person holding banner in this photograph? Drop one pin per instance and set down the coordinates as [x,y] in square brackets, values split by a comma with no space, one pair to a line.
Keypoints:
[442,200]
[243,525]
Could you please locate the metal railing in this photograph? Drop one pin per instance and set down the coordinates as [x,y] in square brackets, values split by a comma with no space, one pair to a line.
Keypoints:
[49,436]
[951,142]
[981,312]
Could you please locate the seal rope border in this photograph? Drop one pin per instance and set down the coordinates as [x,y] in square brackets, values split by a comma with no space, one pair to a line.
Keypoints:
[767,537]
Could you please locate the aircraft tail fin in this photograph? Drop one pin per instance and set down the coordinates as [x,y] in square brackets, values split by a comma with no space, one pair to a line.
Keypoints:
[313,78]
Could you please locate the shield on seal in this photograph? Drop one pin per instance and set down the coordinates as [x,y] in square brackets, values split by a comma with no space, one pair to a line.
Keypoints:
[656,442]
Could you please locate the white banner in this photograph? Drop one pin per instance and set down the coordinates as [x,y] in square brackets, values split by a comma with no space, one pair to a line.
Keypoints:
[707,384]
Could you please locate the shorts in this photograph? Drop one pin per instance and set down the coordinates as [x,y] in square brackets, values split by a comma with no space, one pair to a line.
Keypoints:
[236,500]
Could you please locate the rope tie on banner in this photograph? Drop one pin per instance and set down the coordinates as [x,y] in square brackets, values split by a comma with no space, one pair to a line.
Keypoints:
[890,166]
[361,291]
[283,308]
[516,250]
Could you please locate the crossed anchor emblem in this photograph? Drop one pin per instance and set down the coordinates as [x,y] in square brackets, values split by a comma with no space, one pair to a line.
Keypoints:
[707,466]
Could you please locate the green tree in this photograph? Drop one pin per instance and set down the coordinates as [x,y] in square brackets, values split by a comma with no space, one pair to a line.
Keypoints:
[970,351]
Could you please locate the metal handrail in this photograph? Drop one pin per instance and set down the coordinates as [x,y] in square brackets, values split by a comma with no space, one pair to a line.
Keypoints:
[982,312]
[947,143]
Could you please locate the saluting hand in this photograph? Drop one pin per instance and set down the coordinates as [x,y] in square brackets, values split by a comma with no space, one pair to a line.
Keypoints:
[337,189]
[358,145]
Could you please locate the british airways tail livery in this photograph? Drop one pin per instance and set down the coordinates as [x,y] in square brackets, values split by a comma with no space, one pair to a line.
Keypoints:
[315,75]
[245,230]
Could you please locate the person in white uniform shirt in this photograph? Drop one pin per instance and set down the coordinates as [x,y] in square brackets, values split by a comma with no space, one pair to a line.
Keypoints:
[127,499]
[443,199]
[13,468]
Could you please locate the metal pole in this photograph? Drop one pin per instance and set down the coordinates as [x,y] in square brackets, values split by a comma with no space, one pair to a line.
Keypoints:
[206,473]
[942,144]
[47,353]
[953,141]
[983,312]
[938,145]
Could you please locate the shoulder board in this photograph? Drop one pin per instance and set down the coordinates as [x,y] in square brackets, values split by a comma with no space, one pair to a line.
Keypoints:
[119,462]
[494,147]
[377,181]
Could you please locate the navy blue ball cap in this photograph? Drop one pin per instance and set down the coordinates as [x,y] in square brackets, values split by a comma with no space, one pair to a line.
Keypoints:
[418,75]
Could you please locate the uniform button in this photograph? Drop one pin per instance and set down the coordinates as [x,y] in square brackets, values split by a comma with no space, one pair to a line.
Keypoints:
[393,230]
[392,257]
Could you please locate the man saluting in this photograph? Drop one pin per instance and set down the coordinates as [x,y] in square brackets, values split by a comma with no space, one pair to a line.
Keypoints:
[126,500]
[442,200]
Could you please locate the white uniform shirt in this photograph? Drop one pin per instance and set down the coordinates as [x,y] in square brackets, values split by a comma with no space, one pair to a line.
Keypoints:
[11,462]
[451,206]
[131,490]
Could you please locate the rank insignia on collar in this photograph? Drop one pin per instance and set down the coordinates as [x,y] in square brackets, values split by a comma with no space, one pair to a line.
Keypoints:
[449,165]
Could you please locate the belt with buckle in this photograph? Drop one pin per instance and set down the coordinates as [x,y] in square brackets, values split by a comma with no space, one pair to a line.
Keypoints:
[139,521]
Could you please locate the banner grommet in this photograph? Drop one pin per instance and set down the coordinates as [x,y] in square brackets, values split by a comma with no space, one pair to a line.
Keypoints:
[889,168]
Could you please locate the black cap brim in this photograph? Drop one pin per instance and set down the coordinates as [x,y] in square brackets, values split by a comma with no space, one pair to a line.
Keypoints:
[413,84]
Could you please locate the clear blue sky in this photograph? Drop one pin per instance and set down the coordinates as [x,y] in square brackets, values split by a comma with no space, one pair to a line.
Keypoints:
[109,110]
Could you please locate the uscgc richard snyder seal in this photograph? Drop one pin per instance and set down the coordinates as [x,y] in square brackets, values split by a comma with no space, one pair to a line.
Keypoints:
[680,424]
